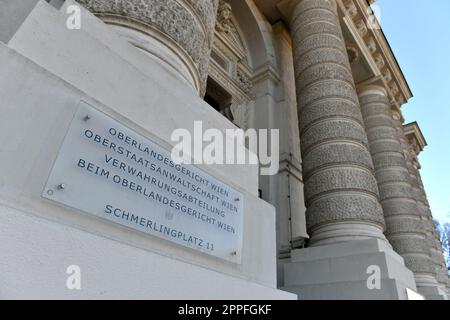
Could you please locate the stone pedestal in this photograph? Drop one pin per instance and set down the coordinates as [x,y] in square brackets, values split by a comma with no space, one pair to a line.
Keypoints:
[343,271]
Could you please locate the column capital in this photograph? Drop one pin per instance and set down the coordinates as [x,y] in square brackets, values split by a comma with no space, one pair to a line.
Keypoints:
[415,136]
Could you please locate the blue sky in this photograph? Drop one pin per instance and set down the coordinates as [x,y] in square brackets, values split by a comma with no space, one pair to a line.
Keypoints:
[419,34]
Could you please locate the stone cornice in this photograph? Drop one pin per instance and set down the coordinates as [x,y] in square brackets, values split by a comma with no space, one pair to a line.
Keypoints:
[415,136]
[359,17]
[266,71]
[371,39]
[291,166]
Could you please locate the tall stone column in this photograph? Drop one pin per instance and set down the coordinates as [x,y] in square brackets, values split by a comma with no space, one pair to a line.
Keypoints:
[341,192]
[404,225]
[432,291]
[433,240]
[179,32]
[344,215]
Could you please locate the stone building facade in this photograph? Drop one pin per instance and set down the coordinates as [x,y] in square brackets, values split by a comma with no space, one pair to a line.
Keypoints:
[349,200]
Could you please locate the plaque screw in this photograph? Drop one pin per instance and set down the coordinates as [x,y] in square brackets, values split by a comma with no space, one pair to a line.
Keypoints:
[87,117]
[237,199]
[50,192]
[234,253]
[62,186]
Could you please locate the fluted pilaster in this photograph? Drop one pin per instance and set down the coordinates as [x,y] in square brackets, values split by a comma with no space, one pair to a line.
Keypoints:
[341,192]
[404,224]
[186,27]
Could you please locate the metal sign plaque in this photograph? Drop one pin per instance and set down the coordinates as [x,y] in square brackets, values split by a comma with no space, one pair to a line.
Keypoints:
[106,169]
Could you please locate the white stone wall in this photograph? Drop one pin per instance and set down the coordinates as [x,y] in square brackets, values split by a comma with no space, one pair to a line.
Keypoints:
[36,253]
[49,70]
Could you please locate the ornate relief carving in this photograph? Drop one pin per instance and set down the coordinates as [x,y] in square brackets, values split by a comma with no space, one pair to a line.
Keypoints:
[362,28]
[379,60]
[352,11]
[394,88]
[387,75]
[244,81]
[367,26]
[236,79]
[371,45]
[223,23]
[353,53]
[227,27]
[240,114]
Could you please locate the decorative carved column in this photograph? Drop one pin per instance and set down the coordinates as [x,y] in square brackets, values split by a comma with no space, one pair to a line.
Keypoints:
[404,225]
[185,28]
[433,240]
[426,283]
[341,192]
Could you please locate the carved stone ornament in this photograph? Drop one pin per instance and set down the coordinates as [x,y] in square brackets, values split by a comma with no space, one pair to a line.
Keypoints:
[352,11]
[224,14]
[244,82]
[362,28]
[240,114]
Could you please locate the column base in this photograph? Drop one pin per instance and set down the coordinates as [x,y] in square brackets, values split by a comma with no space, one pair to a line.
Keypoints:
[340,272]
[333,233]
[430,288]
[433,293]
